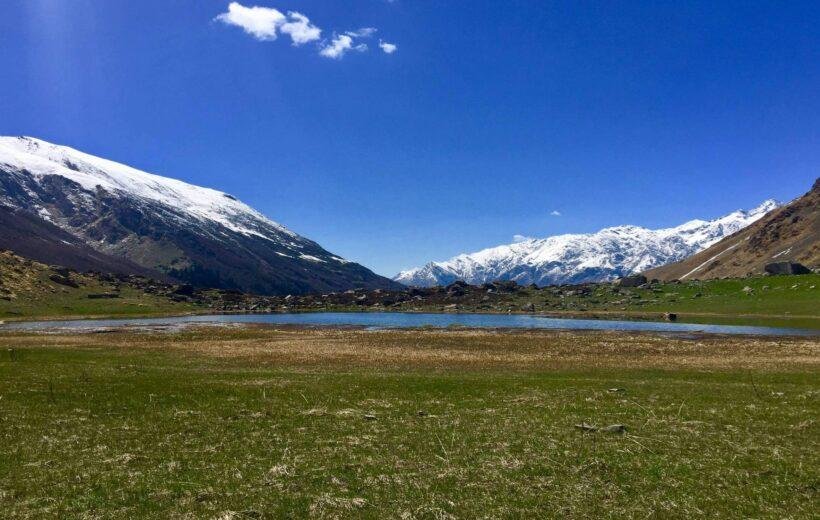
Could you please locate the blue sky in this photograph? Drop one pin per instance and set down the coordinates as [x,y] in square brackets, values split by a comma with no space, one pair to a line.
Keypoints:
[488,117]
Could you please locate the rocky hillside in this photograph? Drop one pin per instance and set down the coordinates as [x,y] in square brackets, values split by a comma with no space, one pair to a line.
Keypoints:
[581,258]
[40,240]
[31,289]
[789,234]
[187,233]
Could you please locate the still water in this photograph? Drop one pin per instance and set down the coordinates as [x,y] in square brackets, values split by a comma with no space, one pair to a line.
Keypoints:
[379,320]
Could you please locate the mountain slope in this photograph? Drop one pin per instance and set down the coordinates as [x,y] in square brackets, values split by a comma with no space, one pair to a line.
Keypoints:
[790,233]
[32,237]
[193,234]
[606,255]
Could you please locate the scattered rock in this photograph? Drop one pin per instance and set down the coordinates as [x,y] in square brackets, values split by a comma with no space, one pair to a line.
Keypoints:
[369,417]
[748,290]
[670,316]
[422,413]
[616,390]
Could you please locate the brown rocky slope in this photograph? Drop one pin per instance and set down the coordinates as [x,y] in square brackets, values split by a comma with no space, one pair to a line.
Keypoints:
[789,233]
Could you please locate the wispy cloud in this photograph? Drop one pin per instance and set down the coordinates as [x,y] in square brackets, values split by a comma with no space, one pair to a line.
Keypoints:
[520,238]
[266,23]
[340,45]
[555,213]
[388,48]
[364,32]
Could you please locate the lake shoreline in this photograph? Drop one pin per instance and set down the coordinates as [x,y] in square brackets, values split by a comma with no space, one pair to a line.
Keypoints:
[406,320]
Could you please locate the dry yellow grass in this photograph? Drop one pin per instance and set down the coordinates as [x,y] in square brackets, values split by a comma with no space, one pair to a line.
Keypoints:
[455,349]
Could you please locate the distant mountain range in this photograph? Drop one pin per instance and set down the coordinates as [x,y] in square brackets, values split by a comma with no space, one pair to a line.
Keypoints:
[61,206]
[791,233]
[595,257]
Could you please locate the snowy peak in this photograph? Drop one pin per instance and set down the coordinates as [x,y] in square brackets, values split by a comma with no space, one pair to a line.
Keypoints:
[41,158]
[575,258]
[193,234]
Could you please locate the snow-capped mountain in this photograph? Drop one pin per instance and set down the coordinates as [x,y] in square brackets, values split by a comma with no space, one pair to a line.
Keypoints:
[577,258]
[191,233]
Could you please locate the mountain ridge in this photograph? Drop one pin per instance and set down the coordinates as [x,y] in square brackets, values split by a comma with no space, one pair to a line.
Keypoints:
[605,255]
[190,233]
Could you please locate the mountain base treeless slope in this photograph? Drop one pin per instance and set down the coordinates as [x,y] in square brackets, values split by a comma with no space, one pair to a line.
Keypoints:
[789,233]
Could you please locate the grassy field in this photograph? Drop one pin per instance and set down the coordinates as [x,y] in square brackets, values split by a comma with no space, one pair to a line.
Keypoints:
[28,290]
[259,423]
[789,301]
[76,304]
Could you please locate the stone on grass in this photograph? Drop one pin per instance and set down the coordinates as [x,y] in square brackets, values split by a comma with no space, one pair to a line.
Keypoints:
[614,428]
[584,427]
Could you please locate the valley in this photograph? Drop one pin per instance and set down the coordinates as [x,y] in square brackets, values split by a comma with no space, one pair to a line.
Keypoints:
[409,260]
[31,290]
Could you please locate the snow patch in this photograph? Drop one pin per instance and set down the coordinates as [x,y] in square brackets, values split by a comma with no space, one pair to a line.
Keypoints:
[311,258]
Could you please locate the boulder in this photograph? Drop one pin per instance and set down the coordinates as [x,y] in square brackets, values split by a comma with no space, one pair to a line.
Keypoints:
[184,290]
[506,286]
[786,268]
[60,270]
[63,280]
[455,291]
[632,281]
[102,296]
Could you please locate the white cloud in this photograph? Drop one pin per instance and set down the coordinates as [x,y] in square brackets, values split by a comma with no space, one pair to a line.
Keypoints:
[300,29]
[259,22]
[555,213]
[263,23]
[520,238]
[339,46]
[388,48]
[364,32]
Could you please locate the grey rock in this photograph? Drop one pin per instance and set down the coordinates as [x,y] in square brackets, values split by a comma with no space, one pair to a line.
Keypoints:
[786,268]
